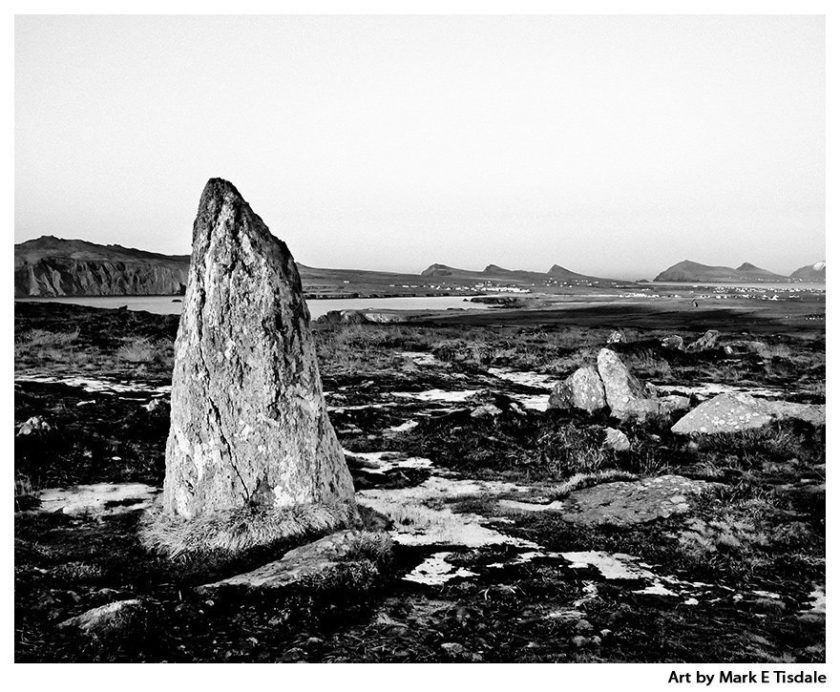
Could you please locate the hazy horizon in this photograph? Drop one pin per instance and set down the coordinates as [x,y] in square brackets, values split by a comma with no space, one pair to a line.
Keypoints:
[613,146]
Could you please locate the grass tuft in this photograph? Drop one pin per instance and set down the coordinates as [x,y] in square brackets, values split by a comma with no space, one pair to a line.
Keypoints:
[235,532]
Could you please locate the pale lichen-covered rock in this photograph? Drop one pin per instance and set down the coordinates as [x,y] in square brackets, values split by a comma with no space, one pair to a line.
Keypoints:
[733,412]
[249,425]
[616,337]
[353,555]
[620,387]
[583,389]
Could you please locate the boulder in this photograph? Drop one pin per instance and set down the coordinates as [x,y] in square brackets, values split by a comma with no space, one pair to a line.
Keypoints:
[733,412]
[583,390]
[338,557]
[616,337]
[633,502]
[249,428]
[616,440]
[705,343]
[620,387]
[673,343]
[725,413]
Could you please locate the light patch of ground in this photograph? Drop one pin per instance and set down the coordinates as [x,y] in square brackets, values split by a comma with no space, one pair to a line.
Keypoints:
[421,517]
[535,402]
[617,566]
[99,499]
[98,385]
[525,378]
[404,427]
[435,570]
[456,396]
[516,505]
[382,462]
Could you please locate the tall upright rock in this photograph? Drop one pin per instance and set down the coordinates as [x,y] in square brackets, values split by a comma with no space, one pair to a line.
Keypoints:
[249,425]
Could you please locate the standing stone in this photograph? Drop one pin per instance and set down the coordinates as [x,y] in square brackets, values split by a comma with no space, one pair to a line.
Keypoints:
[620,387]
[583,389]
[249,425]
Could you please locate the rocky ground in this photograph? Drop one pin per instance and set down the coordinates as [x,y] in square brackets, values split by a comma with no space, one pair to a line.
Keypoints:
[521,532]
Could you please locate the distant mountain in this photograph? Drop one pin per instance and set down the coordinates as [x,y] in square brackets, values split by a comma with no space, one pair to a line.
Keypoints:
[50,266]
[493,272]
[688,271]
[812,273]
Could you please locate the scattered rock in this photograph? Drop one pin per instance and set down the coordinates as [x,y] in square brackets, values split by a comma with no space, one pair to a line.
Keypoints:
[583,390]
[616,337]
[120,618]
[705,343]
[33,426]
[486,411]
[616,440]
[349,555]
[621,503]
[249,424]
[673,343]
[733,412]
[454,649]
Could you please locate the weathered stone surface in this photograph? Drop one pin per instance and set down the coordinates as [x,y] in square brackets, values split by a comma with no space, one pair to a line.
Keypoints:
[486,411]
[616,440]
[616,337]
[623,502]
[583,389]
[98,499]
[810,413]
[110,619]
[620,387]
[704,343]
[326,559]
[732,412]
[249,424]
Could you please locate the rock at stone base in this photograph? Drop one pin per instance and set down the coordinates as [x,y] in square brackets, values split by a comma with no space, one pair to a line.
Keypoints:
[622,502]
[33,426]
[733,412]
[98,499]
[583,390]
[705,343]
[673,342]
[486,411]
[110,620]
[351,556]
[620,387]
[616,440]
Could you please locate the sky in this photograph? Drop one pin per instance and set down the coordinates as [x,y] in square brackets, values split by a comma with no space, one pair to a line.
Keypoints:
[611,145]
